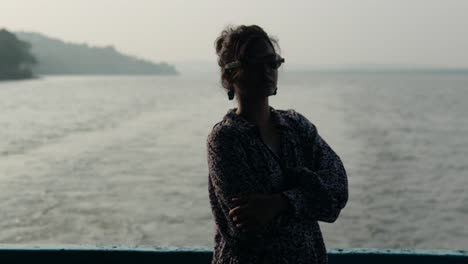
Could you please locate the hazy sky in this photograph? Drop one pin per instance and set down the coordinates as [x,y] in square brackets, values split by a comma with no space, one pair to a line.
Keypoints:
[333,32]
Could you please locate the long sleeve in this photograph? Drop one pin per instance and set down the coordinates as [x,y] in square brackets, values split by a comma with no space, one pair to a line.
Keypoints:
[230,175]
[318,191]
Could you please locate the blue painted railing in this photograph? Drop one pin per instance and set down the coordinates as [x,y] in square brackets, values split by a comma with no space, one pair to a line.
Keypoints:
[12,253]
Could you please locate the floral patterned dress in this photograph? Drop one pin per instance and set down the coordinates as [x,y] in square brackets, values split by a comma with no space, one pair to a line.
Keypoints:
[306,171]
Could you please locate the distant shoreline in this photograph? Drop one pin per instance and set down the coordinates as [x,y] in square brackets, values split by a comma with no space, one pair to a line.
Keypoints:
[58,57]
[422,71]
[20,78]
[42,76]
[454,71]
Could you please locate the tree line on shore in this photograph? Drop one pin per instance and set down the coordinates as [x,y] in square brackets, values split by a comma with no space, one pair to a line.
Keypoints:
[26,54]
[16,60]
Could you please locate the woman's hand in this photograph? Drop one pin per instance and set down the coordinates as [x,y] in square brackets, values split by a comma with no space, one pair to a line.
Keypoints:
[254,211]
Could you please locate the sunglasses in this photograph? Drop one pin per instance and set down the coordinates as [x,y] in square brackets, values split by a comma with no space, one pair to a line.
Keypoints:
[274,61]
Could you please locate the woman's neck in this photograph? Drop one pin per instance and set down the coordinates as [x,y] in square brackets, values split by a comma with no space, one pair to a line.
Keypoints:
[257,113]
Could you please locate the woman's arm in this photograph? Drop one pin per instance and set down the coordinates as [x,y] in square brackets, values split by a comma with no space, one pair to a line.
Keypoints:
[320,190]
[229,176]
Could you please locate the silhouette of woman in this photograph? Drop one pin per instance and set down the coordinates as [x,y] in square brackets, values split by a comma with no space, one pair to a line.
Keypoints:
[271,175]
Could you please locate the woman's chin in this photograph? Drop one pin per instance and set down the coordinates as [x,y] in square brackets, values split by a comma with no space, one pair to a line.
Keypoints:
[271,89]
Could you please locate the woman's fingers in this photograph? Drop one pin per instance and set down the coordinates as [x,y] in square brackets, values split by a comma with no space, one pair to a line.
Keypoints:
[240,200]
[237,210]
[243,217]
[245,222]
[240,219]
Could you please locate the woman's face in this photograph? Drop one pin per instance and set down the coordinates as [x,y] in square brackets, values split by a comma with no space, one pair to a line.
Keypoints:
[258,80]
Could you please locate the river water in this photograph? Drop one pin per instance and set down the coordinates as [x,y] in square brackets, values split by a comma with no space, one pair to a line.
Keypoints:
[122,159]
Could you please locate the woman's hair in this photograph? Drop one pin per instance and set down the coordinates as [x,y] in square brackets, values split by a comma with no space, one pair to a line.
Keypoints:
[231,45]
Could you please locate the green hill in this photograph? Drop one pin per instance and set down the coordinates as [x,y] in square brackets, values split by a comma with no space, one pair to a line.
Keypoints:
[55,56]
[16,60]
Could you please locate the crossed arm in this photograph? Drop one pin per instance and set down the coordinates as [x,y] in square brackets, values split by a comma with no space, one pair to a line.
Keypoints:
[318,191]
[230,176]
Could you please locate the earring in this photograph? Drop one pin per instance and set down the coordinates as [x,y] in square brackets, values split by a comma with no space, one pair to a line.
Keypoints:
[230,94]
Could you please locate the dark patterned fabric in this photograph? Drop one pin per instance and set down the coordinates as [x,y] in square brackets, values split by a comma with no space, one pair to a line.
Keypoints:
[306,171]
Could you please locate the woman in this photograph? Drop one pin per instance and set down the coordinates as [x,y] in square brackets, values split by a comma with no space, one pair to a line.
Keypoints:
[271,175]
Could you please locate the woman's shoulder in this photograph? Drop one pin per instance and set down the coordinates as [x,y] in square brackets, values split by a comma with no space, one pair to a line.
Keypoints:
[222,131]
[297,119]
